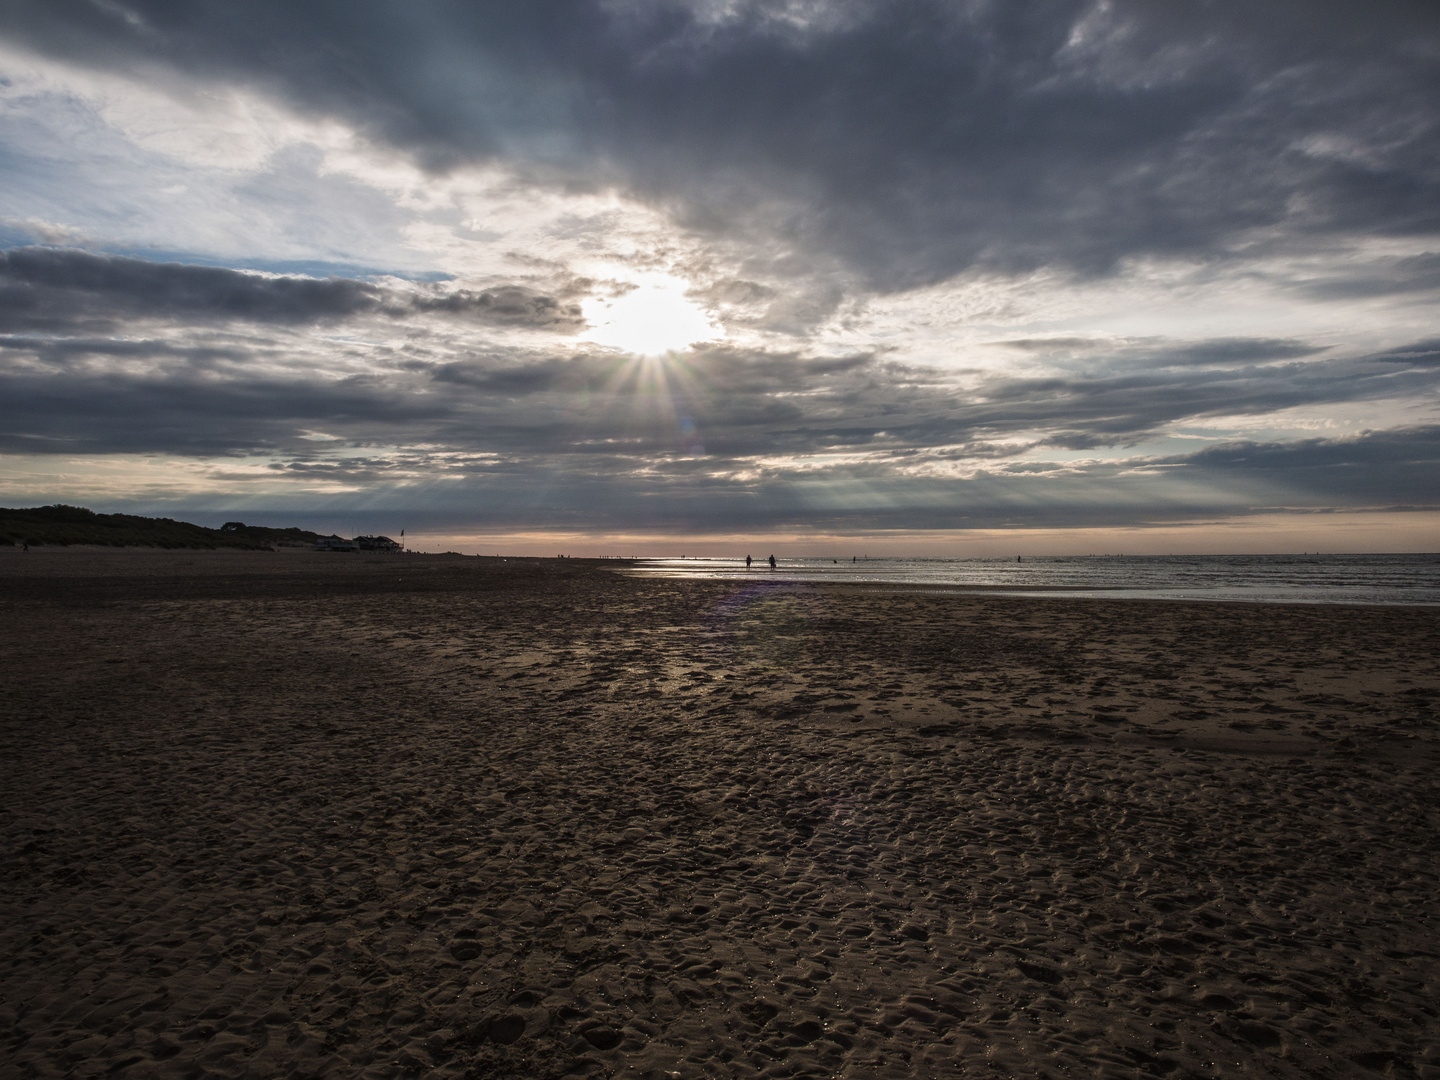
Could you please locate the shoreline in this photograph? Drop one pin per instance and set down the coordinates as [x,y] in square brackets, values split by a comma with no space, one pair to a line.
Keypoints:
[334,563]
[1367,580]
[1037,592]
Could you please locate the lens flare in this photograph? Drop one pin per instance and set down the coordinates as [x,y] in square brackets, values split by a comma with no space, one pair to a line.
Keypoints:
[766,626]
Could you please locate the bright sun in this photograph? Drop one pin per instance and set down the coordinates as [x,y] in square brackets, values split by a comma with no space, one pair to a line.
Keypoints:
[651,319]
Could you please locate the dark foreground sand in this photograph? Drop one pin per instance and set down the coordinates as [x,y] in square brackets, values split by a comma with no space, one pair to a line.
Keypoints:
[348,815]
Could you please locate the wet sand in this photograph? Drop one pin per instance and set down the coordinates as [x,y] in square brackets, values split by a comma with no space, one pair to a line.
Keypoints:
[336,815]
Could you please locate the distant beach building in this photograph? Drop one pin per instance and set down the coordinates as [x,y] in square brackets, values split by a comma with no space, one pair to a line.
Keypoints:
[335,543]
[377,543]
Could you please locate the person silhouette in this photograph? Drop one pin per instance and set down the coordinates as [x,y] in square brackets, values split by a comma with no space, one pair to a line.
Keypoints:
[747,562]
[772,562]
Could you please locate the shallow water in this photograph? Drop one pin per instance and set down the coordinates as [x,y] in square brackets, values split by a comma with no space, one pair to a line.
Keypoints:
[1275,579]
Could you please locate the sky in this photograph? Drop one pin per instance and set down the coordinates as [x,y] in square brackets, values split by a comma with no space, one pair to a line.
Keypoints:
[912,277]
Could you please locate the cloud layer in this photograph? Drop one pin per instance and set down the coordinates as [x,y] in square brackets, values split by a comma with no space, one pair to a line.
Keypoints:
[47,289]
[910,141]
[968,265]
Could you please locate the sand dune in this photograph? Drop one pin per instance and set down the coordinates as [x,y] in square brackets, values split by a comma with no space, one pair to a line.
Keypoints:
[307,815]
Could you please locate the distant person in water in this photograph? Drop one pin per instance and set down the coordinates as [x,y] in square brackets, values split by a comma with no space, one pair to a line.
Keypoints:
[772,562]
[747,562]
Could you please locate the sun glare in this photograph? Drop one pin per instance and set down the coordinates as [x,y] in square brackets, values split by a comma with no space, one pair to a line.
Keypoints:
[651,319]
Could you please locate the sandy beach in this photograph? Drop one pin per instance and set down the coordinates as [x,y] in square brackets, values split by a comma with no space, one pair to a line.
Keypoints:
[294,814]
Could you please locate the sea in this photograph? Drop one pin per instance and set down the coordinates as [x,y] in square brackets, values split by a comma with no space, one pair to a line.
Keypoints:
[1263,579]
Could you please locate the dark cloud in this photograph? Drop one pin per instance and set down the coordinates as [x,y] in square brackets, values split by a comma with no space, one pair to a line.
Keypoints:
[556,452]
[547,375]
[1378,471]
[1400,466]
[1122,403]
[510,305]
[1228,352]
[59,290]
[1416,446]
[186,414]
[751,437]
[64,290]
[1424,354]
[910,140]
[60,352]
[1161,354]
[1410,274]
